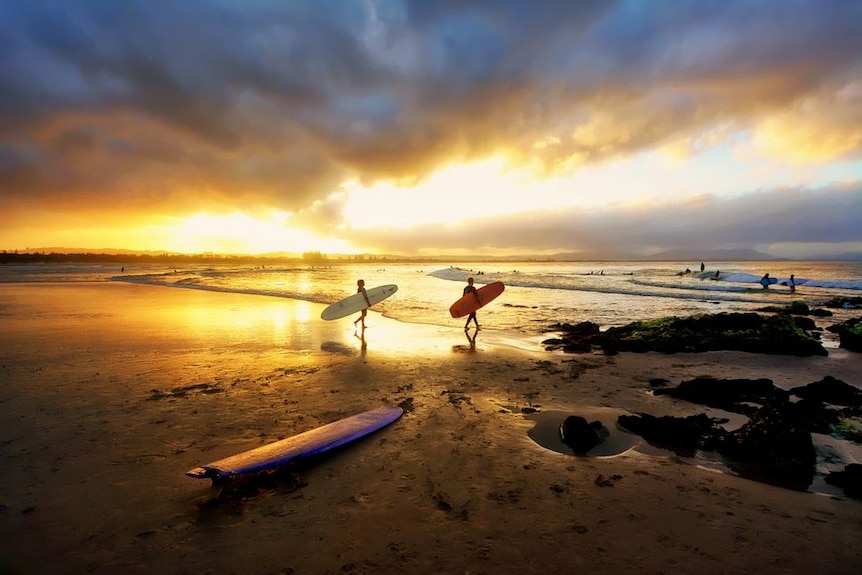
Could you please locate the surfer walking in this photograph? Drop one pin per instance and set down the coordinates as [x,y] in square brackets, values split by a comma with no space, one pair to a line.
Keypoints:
[764,281]
[360,288]
[469,288]
[792,283]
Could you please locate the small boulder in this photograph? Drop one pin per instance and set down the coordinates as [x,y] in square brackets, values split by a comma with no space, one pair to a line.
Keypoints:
[830,390]
[581,435]
[850,480]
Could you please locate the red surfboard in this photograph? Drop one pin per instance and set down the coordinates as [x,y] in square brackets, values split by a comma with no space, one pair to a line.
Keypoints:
[468,304]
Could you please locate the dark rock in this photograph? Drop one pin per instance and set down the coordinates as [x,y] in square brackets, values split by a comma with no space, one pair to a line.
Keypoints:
[681,434]
[850,480]
[849,334]
[797,308]
[805,323]
[576,338]
[583,328]
[734,395]
[750,332]
[844,303]
[580,435]
[847,426]
[577,347]
[817,416]
[775,446]
[821,313]
[830,390]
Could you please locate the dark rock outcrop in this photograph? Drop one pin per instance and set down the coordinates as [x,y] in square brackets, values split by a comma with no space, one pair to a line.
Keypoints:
[849,334]
[576,338]
[749,332]
[736,395]
[830,390]
[850,480]
[844,303]
[683,435]
[775,446]
[797,308]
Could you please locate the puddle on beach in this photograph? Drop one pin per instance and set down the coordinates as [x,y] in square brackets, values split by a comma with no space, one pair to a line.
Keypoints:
[832,453]
[546,432]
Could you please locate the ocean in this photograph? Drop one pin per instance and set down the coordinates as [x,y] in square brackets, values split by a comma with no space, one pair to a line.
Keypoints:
[537,295]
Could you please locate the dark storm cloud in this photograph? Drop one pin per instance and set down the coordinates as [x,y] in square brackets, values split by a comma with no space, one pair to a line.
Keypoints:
[781,216]
[272,102]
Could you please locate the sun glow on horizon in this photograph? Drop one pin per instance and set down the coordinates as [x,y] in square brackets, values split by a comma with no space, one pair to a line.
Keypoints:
[449,200]
[457,192]
[241,233]
[491,188]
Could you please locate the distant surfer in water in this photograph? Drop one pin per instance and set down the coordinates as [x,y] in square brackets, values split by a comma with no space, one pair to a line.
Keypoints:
[469,288]
[360,288]
[764,281]
[792,283]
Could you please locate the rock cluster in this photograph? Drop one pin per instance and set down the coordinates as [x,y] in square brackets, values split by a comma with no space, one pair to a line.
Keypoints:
[774,445]
[749,332]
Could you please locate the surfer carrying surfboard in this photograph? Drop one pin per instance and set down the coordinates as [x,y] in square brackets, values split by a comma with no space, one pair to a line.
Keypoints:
[360,288]
[469,288]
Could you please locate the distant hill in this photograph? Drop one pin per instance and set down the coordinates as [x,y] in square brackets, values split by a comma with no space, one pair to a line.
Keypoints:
[683,255]
[842,257]
[106,251]
[691,256]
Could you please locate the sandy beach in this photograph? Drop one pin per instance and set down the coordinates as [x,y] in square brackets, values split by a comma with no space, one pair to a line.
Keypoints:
[110,392]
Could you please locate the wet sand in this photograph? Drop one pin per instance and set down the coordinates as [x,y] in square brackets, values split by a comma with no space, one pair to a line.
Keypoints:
[110,392]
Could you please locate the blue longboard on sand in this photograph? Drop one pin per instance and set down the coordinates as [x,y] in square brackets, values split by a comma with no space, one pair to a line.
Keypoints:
[306,444]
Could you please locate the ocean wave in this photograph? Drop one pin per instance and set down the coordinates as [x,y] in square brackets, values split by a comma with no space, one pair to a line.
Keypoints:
[198,283]
[591,281]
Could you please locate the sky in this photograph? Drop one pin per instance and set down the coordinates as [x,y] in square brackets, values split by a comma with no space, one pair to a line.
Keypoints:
[452,127]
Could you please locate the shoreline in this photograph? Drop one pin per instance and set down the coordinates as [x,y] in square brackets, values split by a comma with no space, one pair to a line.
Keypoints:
[112,391]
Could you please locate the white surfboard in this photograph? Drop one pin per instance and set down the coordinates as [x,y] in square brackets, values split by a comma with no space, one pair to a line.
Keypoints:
[357,303]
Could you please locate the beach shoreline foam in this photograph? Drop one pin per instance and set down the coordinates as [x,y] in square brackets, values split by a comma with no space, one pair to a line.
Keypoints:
[110,391]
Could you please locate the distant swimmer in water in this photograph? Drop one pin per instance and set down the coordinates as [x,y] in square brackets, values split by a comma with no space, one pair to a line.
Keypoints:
[360,288]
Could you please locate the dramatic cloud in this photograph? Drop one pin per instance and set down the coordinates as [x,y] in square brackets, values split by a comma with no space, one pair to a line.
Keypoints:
[164,106]
[763,220]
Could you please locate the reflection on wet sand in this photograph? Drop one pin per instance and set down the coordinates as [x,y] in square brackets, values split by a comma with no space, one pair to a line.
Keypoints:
[471,342]
[363,344]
